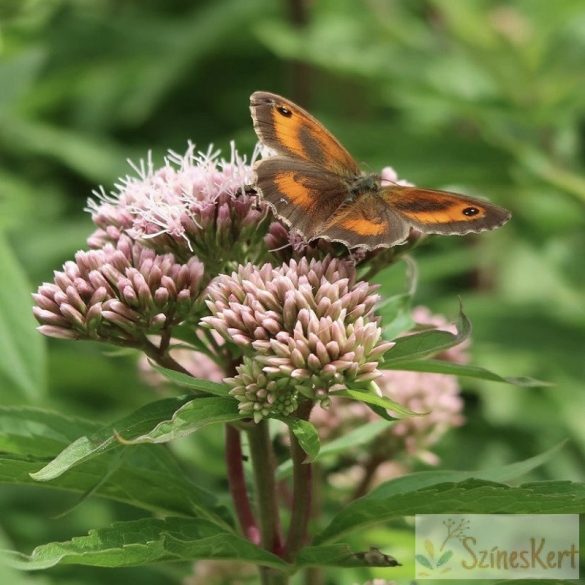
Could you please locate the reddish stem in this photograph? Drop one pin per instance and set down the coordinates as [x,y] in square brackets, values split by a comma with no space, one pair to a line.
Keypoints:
[237,484]
[302,491]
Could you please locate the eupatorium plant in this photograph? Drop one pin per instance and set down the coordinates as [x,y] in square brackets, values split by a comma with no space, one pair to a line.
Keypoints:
[285,343]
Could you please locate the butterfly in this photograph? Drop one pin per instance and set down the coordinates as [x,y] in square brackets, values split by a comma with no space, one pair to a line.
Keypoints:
[316,187]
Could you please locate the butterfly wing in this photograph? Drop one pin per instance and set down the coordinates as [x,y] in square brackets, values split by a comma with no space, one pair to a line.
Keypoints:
[441,212]
[291,131]
[368,222]
[303,195]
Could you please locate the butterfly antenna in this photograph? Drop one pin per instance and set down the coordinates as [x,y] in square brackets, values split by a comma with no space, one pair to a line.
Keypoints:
[281,247]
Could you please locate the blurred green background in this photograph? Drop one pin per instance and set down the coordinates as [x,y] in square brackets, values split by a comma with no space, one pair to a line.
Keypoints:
[480,96]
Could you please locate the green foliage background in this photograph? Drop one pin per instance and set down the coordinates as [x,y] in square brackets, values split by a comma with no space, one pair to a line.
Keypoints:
[480,96]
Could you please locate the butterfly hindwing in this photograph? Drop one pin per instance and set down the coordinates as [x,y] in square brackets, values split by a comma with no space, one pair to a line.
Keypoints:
[300,193]
[441,212]
[291,131]
[367,222]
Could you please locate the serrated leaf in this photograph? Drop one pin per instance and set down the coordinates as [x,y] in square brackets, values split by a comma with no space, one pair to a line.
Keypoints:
[423,479]
[469,371]
[471,496]
[428,343]
[355,438]
[149,477]
[306,435]
[22,348]
[126,544]
[157,486]
[199,384]
[373,399]
[37,432]
[191,417]
[156,422]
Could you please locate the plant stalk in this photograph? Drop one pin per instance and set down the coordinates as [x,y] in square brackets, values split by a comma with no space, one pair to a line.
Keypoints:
[302,491]
[237,484]
[263,464]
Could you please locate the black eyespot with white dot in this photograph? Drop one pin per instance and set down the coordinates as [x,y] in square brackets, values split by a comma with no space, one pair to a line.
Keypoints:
[470,211]
[284,111]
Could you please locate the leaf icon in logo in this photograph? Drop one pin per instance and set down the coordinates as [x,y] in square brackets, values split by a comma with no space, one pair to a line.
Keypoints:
[430,549]
[424,561]
[444,558]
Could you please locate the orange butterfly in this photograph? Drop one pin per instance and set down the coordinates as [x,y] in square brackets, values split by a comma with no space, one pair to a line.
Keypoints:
[314,185]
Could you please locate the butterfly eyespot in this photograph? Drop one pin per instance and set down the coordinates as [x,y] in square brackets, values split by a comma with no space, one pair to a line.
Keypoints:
[470,211]
[284,111]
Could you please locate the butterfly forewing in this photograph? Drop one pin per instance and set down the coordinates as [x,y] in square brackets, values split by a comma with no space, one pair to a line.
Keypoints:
[291,131]
[300,193]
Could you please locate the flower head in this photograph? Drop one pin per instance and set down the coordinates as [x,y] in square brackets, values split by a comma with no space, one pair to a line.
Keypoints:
[195,204]
[306,327]
[119,293]
[437,394]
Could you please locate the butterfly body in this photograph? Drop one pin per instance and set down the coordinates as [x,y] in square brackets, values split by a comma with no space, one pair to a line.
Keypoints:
[315,186]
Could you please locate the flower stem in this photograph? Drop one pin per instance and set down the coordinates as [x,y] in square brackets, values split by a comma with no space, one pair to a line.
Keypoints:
[302,491]
[162,357]
[370,468]
[237,484]
[263,465]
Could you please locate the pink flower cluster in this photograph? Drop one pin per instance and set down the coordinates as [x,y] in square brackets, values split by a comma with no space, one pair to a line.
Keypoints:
[119,293]
[305,327]
[196,204]
[437,394]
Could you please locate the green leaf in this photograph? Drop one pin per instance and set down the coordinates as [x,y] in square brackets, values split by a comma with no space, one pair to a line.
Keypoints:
[156,422]
[148,479]
[92,156]
[420,481]
[396,310]
[306,435]
[396,315]
[187,381]
[30,431]
[191,417]
[355,438]
[147,476]
[382,402]
[427,343]
[423,479]
[471,496]
[22,348]
[18,73]
[127,544]
[443,367]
